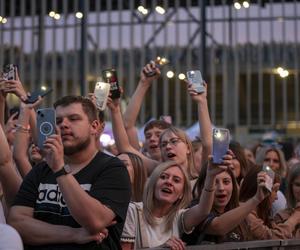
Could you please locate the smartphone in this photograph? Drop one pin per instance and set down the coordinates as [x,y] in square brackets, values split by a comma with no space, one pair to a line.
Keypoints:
[9,72]
[159,62]
[110,76]
[101,93]
[46,124]
[221,139]
[270,177]
[195,78]
[33,97]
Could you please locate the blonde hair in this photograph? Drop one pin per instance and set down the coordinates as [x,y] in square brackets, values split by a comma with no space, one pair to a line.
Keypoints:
[191,169]
[261,155]
[150,201]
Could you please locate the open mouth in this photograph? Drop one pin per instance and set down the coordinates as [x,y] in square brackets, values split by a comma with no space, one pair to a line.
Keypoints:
[221,196]
[166,190]
[154,147]
[170,155]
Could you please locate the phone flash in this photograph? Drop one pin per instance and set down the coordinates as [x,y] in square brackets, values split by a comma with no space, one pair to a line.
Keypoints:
[44,88]
[108,74]
[218,134]
[268,168]
[192,72]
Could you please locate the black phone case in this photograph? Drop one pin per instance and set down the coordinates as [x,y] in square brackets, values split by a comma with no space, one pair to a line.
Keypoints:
[113,81]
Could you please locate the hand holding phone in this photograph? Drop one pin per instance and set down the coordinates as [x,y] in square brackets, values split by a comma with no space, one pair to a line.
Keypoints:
[33,97]
[269,178]
[46,124]
[9,72]
[110,76]
[159,62]
[101,92]
[195,78]
[221,139]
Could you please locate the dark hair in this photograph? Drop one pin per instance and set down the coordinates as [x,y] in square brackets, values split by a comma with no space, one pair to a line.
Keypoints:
[239,153]
[140,176]
[87,105]
[294,172]
[156,124]
[101,115]
[234,199]
[249,188]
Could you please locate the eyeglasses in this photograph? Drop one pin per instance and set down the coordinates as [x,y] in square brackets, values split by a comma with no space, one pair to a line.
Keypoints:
[172,142]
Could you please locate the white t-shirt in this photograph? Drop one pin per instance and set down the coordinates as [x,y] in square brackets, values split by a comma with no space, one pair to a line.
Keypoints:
[9,238]
[279,204]
[153,236]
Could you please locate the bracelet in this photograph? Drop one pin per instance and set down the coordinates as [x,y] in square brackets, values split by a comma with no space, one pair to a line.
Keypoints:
[209,190]
[22,128]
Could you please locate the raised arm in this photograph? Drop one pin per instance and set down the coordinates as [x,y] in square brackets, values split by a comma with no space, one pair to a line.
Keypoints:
[229,220]
[9,178]
[135,103]
[196,214]
[204,121]
[121,138]
[26,122]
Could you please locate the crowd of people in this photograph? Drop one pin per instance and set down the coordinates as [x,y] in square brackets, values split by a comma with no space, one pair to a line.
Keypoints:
[70,193]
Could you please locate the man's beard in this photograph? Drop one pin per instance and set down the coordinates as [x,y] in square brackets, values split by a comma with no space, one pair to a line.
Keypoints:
[70,150]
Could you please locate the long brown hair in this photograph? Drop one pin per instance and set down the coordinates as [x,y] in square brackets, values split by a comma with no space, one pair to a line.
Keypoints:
[139,176]
[234,199]
[294,172]
[249,188]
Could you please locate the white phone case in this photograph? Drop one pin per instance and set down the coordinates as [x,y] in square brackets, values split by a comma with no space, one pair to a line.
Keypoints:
[101,92]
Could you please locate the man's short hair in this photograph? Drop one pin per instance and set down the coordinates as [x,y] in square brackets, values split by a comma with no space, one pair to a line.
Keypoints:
[156,124]
[87,105]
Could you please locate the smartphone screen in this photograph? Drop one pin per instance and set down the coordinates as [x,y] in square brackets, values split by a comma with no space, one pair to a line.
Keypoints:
[110,76]
[221,139]
[270,177]
[101,93]
[9,72]
[46,124]
[195,78]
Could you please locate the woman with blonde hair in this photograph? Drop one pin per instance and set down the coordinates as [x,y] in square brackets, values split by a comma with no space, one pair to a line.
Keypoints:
[273,157]
[162,218]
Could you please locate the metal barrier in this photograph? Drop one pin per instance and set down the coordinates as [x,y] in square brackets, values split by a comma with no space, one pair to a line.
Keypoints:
[261,245]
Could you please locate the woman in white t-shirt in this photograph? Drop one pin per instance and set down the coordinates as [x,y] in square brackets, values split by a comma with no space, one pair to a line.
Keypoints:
[161,219]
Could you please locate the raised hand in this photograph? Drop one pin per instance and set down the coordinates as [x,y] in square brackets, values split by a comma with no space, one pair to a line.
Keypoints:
[54,151]
[15,87]
[150,67]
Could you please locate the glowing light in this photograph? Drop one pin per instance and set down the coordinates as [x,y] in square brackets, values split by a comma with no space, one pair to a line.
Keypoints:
[108,74]
[44,88]
[57,16]
[160,10]
[237,5]
[105,139]
[279,70]
[181,76]
[4,20]
[142,10]
[0,18]
[51,13]
[246,4]
[170,74]
[284,74]
[79,15]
